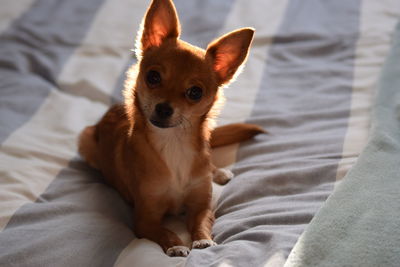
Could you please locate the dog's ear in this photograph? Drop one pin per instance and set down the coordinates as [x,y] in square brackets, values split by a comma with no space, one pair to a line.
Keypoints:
[229,52]
[160,23]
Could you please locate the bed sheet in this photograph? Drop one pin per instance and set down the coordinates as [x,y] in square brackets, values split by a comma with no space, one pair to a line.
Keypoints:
[309,81]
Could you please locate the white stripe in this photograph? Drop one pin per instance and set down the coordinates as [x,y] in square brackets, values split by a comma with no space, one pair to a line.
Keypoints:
[35,153]
[377,22]
[100,59]
[144,253]
[241,94]
[376,26]
[11,10]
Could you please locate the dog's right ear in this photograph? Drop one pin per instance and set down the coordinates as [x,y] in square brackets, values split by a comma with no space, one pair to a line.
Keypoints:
[160,23]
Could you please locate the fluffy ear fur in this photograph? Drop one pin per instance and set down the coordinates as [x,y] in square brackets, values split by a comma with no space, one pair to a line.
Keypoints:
[228,53]
[160,23]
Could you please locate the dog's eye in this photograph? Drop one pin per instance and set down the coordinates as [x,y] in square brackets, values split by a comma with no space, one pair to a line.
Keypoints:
[194,93]
[153,78]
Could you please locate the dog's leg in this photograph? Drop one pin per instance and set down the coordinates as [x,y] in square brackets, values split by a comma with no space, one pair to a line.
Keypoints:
[200,216]
[200,223]
[147,224]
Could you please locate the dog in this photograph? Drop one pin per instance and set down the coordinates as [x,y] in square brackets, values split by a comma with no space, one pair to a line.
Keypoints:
[154,149]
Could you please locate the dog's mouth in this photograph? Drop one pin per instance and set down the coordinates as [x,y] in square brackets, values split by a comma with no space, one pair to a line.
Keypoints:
[162,124]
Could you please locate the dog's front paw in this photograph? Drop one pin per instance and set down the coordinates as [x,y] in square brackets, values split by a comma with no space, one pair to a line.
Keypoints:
[222,176]
[178,251]
[203,243]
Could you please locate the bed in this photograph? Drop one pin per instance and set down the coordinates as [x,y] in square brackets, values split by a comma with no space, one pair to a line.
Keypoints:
[320,189]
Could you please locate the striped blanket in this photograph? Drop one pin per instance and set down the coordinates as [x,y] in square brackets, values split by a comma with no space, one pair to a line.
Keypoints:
[311,79]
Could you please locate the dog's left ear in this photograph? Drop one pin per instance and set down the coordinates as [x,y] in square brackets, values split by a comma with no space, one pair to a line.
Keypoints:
[160,23]
[229,52]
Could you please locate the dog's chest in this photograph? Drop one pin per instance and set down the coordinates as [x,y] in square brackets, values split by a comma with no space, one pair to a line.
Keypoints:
[178,154]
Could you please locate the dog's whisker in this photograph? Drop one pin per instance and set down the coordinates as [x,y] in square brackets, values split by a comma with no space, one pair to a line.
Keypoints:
[186,123]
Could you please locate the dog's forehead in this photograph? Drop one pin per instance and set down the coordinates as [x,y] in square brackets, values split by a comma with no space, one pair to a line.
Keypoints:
[179,57]
[184,60]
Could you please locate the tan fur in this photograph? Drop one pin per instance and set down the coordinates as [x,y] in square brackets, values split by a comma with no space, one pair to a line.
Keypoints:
[162,165]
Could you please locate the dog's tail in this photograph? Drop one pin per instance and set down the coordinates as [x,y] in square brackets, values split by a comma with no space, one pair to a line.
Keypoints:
[87,146]
[233,133]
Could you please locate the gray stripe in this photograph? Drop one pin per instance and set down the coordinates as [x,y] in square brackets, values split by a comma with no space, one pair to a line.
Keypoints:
[78,221]
[284,177]
[33,52]
[360,221]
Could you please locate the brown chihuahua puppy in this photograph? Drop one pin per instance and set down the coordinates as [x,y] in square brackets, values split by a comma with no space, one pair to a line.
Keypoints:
[155,149]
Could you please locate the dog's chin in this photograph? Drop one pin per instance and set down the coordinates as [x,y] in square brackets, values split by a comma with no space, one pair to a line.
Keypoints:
[162,124]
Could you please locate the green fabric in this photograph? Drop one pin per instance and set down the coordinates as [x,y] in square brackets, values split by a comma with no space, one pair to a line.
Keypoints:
[360,223]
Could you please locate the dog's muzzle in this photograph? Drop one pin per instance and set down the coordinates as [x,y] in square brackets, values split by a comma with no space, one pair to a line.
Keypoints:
[161,115]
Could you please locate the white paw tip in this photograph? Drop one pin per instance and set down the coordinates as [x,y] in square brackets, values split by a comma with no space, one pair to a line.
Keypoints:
[203,243]
[222,176]
[228,174]
[178,251]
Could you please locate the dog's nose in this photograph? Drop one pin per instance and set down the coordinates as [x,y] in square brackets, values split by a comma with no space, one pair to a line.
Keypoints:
[164,110]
